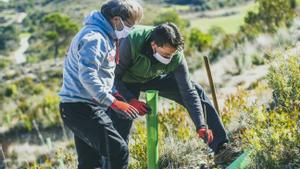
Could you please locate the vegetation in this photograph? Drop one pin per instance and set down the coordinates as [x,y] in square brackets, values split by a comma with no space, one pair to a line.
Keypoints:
[271,132]
[9,38]
[53,35]
[208,5]
[4,62]
[171,16]
[59,30]
[28,93]
[229,20]
[200,40]
[267,19]
[26,100]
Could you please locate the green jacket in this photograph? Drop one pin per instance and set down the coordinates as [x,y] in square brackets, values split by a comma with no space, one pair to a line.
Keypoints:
[137,66]
[143,69]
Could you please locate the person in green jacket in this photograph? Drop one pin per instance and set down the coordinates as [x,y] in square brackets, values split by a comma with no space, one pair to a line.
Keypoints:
[152,58]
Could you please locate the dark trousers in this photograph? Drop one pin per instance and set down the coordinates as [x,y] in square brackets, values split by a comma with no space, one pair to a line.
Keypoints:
[101,137]
[167,87]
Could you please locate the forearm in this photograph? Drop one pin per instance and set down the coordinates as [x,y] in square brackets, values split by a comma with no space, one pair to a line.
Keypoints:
[189,95]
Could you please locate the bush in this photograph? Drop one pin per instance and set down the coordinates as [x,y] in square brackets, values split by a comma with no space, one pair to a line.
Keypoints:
[258,59]
[216,31]
[271,15]
[284,79]
[274,135]
[175,131]
[9,38]
[271,133]
[11,90]
[4,62]
[274,139]
[171,16]
[242,62]
[199,40]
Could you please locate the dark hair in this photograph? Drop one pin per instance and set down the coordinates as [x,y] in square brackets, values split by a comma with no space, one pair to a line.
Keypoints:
[126,9]
[167,34]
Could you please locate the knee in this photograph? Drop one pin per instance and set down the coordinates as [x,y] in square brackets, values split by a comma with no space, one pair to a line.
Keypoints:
[121,155]
[199,88]
[124,155]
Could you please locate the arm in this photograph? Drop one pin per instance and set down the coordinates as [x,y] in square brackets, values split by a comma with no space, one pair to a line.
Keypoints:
[189,94]
[90,60]
[124,65]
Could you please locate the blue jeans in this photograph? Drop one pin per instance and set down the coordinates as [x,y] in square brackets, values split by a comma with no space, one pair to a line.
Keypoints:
[167,87]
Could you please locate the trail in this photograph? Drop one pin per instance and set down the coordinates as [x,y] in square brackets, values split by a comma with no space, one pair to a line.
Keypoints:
[19,55]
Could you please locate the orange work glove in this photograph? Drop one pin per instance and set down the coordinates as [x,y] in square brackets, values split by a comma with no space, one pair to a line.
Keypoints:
[124,109]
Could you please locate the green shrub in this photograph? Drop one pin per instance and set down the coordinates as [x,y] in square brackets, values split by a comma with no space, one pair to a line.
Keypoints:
[4,62]
[175,130]
[258,59]
[242,62]
[11,90]
[284,79]
[199,40]
[274,135]
[171,16]
[274,139]
[216,31]
[9,38]
[271,15]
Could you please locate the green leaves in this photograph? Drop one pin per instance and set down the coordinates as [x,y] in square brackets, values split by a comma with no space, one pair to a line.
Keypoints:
[271,15]
[58,30]
[60,24]
[275,136]
[284,79]
[199,39]
[171,16]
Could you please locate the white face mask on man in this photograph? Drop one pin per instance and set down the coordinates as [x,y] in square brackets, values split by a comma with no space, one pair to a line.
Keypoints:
[161,58]
[124,32]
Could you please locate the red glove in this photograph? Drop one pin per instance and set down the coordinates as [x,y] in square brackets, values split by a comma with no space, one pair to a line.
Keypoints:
[207,136]
[124,109]
[140,106]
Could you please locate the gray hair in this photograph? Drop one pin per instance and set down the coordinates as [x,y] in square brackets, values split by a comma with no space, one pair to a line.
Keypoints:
[126,9]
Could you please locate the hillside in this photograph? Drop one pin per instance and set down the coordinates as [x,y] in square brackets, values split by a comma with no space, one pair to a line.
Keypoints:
[254,56]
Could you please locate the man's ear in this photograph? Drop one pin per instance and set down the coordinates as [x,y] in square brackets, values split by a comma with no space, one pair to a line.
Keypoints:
[153,44]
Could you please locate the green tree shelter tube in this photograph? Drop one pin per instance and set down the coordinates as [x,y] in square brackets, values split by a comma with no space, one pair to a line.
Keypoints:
[241,162]
[152,129]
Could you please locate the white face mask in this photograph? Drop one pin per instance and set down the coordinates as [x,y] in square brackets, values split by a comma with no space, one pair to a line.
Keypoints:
[162,59]
[124,32]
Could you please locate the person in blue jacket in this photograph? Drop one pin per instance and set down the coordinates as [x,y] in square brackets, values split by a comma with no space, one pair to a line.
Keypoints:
[89,105]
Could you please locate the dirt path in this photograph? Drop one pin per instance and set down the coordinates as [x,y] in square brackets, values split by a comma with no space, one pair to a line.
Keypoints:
[19,55]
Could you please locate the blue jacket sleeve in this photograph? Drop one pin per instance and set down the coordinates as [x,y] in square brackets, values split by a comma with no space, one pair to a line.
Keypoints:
[90,59]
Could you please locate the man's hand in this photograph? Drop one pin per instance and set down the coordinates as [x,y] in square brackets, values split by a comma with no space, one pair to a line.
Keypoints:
[124,109]
[140,106]
[206,135]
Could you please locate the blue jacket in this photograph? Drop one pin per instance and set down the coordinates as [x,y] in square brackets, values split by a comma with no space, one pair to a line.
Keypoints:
[88,73]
